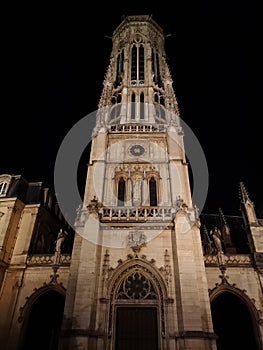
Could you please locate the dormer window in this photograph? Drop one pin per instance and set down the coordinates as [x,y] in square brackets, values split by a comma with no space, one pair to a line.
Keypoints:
[3,188]
[4,184]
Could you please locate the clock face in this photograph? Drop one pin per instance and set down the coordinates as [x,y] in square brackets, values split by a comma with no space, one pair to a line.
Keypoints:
[137,150]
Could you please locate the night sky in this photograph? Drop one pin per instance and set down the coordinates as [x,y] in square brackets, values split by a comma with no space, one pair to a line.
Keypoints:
[54,59]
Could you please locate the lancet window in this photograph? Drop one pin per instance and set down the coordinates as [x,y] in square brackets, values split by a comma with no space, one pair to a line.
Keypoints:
[153,192]
[159,103]
[119,68]
[133,105]
[156,68]
[137,62]
[142,111]
[121,192]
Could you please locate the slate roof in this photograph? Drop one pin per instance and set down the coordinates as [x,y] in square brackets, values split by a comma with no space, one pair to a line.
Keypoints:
[28,192]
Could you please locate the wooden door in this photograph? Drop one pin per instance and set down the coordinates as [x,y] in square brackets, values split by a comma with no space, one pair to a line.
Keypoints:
[136,328]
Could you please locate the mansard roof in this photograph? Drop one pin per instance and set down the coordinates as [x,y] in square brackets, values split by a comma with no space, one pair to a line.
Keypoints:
[19,187]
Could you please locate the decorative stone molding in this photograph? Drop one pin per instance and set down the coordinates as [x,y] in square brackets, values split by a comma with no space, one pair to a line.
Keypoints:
[136,240]
[136,128]
[230,260]
[48,259]
[140,214]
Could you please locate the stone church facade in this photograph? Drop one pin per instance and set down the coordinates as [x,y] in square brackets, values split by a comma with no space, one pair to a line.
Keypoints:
[142,268]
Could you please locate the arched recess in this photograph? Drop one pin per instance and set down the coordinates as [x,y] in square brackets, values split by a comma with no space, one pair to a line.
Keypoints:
[137,294]
[121,192]
[41,318]
[121,187]
[235,318]
[154,192]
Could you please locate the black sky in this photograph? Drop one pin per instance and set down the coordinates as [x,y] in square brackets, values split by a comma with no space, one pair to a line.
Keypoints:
[54,59]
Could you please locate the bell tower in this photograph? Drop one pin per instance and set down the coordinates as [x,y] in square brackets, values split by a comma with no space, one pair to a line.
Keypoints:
[137,277]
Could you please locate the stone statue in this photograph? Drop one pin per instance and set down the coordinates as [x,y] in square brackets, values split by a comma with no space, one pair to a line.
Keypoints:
[180,204]
[137,191]
[217,238]
[196,212]
[60,239]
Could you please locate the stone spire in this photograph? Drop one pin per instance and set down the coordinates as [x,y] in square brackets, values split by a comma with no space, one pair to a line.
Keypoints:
[243,194]
[253,228]
[246,205]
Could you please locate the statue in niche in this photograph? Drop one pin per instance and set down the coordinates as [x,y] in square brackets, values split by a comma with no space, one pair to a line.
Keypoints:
[137,191]
[60,239]
[217,238]
[40,244]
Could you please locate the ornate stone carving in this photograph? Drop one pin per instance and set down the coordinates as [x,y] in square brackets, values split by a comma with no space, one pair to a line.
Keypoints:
[166,269]
[136,240]
[180,204]
[54,276]
[94,206]
[234,260]
[136,286]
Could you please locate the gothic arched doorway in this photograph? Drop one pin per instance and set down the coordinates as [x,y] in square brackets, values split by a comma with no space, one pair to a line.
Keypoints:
[233,323]
[44,321]
[136,314]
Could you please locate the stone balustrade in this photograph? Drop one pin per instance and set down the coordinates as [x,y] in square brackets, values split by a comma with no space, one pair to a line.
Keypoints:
[136,214]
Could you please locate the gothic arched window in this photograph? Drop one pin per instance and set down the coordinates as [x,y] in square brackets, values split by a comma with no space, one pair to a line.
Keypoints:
[142,106]
[115,113]
[134,63]
[156,68]
[121,192]
[141,63]
[153,192]
[159,114]
[137,62]
[133,99]
[119,68]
